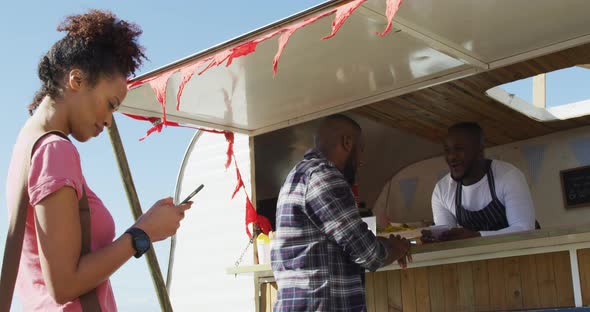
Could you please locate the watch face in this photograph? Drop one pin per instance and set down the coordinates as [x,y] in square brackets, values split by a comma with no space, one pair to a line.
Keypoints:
[142,243]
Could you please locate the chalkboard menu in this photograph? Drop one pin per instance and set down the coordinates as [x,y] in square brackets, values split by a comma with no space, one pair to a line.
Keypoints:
[576,187]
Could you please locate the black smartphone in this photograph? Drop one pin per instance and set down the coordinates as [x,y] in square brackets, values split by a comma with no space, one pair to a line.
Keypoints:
[192,194]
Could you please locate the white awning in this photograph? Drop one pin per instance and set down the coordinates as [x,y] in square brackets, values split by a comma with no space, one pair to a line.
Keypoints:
[432,42]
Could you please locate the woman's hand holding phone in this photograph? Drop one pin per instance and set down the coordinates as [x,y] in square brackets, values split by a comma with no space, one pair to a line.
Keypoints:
[162,220]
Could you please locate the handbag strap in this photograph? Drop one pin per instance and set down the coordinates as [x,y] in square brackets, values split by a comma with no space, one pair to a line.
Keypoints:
[16,232]
[89,301]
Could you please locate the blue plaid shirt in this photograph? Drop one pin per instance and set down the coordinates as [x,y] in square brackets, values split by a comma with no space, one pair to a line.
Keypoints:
[322,246]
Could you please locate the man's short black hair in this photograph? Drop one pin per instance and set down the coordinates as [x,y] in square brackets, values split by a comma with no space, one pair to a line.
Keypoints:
[472,128]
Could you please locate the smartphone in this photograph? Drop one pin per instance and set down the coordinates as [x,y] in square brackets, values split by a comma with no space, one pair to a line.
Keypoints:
[191,195]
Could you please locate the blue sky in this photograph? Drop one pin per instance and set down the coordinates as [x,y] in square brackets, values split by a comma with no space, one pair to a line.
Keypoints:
[172,30]
[565,86]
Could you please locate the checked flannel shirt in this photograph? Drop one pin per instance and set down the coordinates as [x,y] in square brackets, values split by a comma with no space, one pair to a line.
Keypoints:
[322,246]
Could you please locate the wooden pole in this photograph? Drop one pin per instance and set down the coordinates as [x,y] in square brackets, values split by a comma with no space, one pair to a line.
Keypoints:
[135,206]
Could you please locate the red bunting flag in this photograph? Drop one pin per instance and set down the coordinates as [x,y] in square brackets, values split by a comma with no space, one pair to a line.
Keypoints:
[217,59]
[186,73]
[229,137]
[287,32]
[159,86]
[392,8]
[342,14]
[252,217]
[241,50]
[240,182]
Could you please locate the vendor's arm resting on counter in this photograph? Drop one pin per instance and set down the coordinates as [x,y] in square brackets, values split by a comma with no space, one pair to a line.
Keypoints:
[479,196]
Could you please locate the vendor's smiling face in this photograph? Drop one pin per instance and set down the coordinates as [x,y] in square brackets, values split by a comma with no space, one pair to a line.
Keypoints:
[462,151]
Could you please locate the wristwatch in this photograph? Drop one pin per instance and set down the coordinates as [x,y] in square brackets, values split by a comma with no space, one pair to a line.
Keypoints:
[141,241]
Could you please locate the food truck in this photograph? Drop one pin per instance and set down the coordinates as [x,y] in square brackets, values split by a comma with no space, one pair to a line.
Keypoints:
[257,99]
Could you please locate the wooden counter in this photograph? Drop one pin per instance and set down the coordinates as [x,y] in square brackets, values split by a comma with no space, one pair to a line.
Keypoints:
[539,269]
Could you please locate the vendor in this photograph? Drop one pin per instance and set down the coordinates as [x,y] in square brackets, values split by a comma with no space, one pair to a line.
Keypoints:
[479,196]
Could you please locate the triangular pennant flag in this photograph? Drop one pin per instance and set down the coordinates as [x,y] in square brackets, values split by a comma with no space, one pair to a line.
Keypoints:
[407,188]
[581,149]
[342,14]
[392,7]
[534,155]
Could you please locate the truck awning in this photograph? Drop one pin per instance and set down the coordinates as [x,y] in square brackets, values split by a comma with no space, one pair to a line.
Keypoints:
[431,43]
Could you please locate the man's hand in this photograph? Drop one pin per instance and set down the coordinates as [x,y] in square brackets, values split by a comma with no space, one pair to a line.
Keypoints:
[458,233]
[398,249]
[427,237]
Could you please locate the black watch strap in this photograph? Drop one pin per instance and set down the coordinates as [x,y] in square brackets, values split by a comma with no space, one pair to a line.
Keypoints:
[141,241]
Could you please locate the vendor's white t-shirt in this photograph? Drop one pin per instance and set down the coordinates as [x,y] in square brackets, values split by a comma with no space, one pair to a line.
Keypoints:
[511,189]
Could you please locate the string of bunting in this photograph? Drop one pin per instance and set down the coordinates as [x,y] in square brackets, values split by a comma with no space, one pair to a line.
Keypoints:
[251,215]
[159,83]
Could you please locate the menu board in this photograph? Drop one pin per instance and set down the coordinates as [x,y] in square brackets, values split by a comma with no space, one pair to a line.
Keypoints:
[576,187]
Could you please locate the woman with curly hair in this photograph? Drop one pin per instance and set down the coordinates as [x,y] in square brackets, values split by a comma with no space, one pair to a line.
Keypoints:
[83,83]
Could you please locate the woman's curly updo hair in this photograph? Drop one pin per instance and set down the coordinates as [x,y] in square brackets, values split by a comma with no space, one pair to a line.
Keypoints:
[97,43]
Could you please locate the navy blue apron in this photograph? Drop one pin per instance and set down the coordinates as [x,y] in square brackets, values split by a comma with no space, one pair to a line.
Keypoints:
[491,218]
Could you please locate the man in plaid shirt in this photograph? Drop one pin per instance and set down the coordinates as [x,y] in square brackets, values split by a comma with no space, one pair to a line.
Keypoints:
[322,247]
